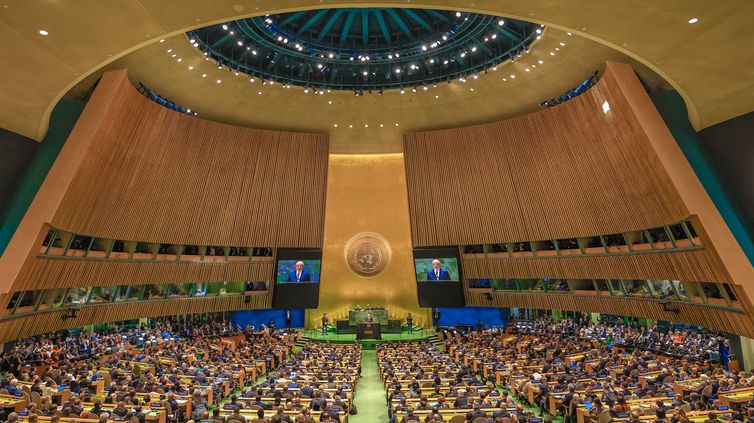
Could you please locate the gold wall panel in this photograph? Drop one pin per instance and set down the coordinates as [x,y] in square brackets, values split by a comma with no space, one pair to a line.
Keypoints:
[367,193]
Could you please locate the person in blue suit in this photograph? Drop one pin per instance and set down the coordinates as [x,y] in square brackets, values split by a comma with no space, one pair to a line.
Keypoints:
[436,273]
[300,275]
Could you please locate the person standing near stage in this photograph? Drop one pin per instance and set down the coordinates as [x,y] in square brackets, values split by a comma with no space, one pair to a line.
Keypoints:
[287,319]
[436,317]
[325,322]
[410,323]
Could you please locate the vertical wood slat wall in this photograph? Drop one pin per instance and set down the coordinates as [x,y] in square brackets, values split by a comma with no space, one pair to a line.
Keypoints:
[155,175]
[44,272]
[30,325]
[567,171]
[697,265]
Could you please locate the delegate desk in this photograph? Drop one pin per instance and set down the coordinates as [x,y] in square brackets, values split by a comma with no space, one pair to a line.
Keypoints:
[355,317]
[368,331]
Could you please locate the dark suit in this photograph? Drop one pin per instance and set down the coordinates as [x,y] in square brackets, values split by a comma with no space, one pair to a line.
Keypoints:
[442,275]
[305,277]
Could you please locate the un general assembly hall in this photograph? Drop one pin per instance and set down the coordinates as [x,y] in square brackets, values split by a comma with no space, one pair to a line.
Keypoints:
[485,211]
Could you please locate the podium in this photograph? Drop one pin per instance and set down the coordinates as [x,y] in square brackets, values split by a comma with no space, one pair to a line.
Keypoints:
[368,331]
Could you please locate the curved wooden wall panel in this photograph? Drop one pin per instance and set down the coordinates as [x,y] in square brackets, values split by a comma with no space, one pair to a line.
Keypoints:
[697,265]
[709,317]
[47,322]
[567,171]
[155,175]
[44,272]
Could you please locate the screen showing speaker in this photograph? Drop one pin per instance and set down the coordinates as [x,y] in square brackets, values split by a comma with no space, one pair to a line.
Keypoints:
[438,277]
[297,276]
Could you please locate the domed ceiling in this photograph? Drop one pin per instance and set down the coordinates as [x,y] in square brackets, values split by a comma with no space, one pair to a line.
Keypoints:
[364,49]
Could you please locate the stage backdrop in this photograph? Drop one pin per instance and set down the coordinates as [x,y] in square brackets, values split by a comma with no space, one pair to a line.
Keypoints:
[366,195]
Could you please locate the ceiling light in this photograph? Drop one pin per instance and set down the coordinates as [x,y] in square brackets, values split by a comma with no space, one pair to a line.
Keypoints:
[330,55]
[285,40]
[437,96]
[231,32]
[445,62]
[494,36]
[476,76]
[541,61]
[260,93]
[365,73]
[319,65]
[350,126]
[329,102]
[397,70]
[431,60]
[219,81]
[501,22]
[204,75]
[382,125]
[424,48]
[197,45]
[463,54]
[254,52]
[280,38]
[180,60]
[458,14]
[306,90]
[396,123]
[252,80]
[552,53]
[397,55]
[366,125]
[605,107]
[389,56]
[170,50]
[444,37]
[527,69]
[513,76]
[240,43]
[538,31]
[473,48]
[568,33]
[225,27]
[691,21]
[191,67]
[471,89]
[562,43]
[425,88]
[335,126]
[163,40]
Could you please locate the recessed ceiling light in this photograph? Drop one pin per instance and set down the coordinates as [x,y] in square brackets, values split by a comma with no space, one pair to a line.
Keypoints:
[541,61]
[204,75]
[219,81]
[191,67]
[693,20]
[437,96]
[225,27]
[458,14]
[562,43]
[605,107]
[350,126]
[260,93]
[43,32]
[471,89]
[366,125]
[501,22]
[335,126]
[568,33]
[170,50]
[180,60]
[527,70]
[538,31]
[396,123]
[381,125]
[162,40]
[513,76]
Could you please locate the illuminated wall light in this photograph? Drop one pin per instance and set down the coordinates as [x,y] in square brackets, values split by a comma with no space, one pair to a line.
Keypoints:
[538,31]
[513,76]
[204,75]
[191,41]
[335,125]
[527,70]
[219,81]
[180,60]
[437,96]
[191,68]
[350,126]
[173,55]
[231,32]
[402,91]
[562,43]
[252,80]
[260,93]
[366,125]
[163,40]
[552,53]
[330,55]
[254,52]
[240,43]
[501,22]
[473,49]
[605,107]
[319,65]
[396,123]
[693,20]
[458,14]
[494,36]
[471,89]
[225,27]
[170,50]
[424,48]
[541,61]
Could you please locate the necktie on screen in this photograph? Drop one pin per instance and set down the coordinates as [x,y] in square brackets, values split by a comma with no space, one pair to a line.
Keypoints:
[298,277]
[437,275]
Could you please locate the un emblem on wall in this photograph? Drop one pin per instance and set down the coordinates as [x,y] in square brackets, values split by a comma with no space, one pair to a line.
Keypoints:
[367,254]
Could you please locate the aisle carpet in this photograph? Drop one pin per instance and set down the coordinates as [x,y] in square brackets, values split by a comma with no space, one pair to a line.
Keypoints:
[370,396]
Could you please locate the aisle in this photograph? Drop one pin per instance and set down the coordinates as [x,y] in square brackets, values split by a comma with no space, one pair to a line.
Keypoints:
[370,397]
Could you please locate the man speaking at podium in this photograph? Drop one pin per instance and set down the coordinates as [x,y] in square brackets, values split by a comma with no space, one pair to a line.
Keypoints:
[436,273]
[299,275]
